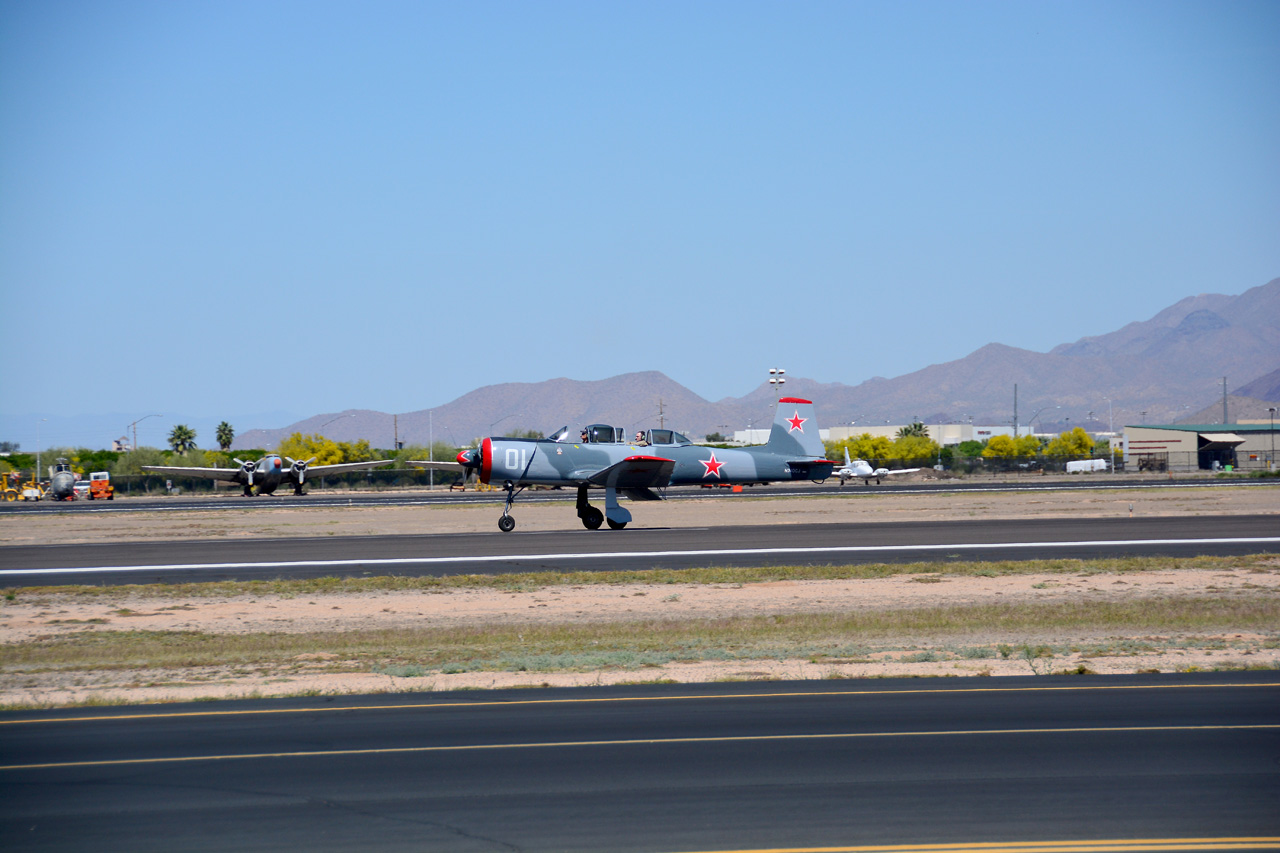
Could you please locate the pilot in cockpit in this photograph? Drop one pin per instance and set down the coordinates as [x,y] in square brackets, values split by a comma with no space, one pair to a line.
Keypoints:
[584,435]
[640,442]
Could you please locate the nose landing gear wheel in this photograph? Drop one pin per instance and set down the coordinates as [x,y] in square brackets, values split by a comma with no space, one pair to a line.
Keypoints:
[506,524]
[592,519]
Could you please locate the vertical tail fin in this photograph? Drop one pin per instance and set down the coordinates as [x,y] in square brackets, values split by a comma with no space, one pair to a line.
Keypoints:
[848,463]
[795,430]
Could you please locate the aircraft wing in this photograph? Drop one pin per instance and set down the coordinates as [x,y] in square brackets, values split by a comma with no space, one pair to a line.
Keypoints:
[312,470]
[230,475]
[438,464]
[635,472]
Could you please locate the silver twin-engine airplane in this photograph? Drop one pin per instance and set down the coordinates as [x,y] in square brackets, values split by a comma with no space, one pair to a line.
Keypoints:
[860,468]
[600,456]
[266,474]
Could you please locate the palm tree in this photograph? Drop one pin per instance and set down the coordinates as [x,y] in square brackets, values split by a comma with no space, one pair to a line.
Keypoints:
[224,435]
[916,429]
[182,438]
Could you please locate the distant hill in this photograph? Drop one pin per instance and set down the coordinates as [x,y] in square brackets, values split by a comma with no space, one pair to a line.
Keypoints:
[1163,367]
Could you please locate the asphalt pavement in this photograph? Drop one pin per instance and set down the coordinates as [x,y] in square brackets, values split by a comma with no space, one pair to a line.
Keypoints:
[637,548]
[1182,762]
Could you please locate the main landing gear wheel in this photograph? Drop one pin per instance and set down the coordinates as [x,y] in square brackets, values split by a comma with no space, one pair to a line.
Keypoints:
[506,523]
[616,525]
[593,518]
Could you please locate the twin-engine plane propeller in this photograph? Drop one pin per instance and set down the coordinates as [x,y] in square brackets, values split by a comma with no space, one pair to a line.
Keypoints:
[601,457]
[265,475]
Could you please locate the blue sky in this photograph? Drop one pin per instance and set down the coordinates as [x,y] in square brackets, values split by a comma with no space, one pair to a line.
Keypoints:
[307,207]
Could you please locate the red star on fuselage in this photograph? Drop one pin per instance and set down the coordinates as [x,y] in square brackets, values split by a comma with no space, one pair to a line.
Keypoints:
[712,465]
[797,422]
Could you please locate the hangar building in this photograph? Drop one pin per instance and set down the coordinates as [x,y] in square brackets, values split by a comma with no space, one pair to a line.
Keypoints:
[1190,447]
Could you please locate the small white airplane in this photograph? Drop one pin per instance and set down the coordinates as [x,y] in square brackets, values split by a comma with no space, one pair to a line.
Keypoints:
[860,469]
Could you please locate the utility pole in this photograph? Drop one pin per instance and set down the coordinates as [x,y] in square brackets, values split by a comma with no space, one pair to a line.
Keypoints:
[1015,410]
[662,420]
[1271,463]
[1224,401]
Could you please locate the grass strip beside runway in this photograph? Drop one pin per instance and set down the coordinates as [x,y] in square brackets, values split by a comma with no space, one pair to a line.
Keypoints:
[960,632]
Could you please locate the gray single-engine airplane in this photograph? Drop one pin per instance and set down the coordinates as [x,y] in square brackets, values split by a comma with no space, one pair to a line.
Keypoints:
[601,457]
[861,469]
[267,473]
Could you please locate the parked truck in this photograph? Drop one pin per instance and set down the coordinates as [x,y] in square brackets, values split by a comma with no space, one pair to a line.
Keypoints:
[1085,466]
[100,487]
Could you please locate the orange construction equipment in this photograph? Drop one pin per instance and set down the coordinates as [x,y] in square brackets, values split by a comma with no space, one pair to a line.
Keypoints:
[100,486]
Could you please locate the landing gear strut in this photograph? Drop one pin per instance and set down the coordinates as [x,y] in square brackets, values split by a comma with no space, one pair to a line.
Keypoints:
[591,516]
[506,523]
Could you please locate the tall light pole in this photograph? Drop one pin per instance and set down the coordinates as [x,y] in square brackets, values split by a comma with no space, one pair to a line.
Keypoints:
[134,427]
[333,420]
[777,380]
[1271,463]
[1032,420]
[37,475]
[500,420]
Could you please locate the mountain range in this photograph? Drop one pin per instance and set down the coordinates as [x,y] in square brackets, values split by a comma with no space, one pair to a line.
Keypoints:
[1165,369]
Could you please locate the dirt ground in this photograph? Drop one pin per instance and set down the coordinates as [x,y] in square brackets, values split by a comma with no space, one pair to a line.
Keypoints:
[34,617]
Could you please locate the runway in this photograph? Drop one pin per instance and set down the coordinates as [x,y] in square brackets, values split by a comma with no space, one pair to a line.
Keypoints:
[1185,762]
[637,549]
[440,497]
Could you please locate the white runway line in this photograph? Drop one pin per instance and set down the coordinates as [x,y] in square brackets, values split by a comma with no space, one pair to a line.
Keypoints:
[617,555]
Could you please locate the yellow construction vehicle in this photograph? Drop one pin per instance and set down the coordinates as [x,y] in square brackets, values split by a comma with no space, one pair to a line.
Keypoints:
[18,491]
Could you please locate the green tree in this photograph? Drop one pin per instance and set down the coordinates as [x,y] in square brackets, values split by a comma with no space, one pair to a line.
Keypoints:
[182,438]
[914,448]
[865,446]
[1074,443]
[915,430]
[1007,445]
[359,451]
[224,435]
[297,446]
[130,464]
[970,448]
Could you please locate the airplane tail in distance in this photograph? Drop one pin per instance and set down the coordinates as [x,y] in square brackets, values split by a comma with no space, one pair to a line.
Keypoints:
[848,463]
[795,430]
